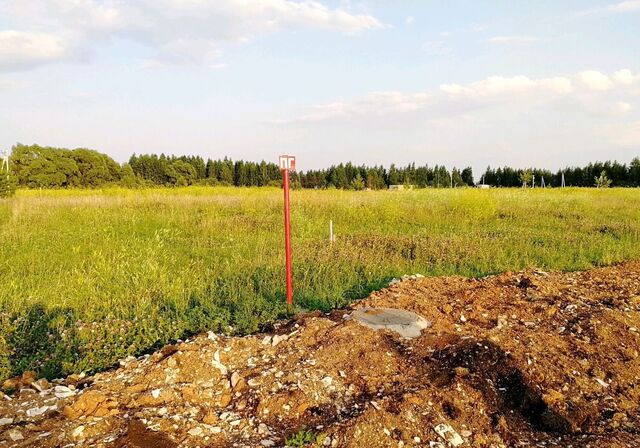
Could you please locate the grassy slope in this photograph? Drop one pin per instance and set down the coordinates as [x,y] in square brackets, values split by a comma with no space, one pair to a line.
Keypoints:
[87,277]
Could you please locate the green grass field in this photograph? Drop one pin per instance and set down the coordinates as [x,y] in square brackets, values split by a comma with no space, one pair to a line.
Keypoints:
[88,277]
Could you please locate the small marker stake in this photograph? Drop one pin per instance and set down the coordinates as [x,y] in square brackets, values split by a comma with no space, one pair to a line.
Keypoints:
[287,163]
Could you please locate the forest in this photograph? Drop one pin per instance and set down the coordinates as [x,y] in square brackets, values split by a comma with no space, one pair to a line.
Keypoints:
[33,166]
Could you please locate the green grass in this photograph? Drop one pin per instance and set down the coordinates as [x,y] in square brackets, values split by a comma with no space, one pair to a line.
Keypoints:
[88,277]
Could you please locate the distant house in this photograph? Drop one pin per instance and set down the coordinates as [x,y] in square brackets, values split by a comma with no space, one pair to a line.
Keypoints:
[483,186]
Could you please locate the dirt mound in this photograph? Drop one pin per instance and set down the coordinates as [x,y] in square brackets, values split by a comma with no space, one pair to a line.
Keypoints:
[531,358]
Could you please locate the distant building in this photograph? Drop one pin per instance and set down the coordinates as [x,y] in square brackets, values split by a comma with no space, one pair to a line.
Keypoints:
[483,186]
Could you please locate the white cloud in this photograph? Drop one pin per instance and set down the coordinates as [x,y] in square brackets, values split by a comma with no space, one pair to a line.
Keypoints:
[512,39]
[626,77]
[594,80]
[24,50]
[626,6]
[623,7]
[409,20]
[179,31]
[498,85]
[591,92]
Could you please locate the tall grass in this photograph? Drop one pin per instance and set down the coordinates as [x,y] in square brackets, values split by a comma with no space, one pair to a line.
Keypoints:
[87,277]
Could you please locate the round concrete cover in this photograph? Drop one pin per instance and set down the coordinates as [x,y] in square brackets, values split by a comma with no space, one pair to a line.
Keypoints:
[403,322]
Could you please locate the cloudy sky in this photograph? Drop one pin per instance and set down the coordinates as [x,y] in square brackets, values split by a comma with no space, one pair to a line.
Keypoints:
[544,83]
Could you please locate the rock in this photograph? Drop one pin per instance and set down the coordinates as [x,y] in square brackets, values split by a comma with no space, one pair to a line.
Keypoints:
[327,441]
[266,340]
[15,435]
[225,400]
[278,339]
[127,360]
[5,421]
[171,362]
[602,383]
[78,432]
[263,429]
[29,377]
[235,378]
[449,434]
[11,384]
[403,322]
[210,419]
[91,403]
[218,364]
[267,442]
[196,431]
[155,393]
[34,412]
[41,385]
[63,392]
[327,381]
[466,433]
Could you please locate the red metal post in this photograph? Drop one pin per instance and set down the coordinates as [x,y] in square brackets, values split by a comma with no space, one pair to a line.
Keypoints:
[287,237]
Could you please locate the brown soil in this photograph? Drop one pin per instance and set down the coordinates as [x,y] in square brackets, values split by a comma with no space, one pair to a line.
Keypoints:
[519,359]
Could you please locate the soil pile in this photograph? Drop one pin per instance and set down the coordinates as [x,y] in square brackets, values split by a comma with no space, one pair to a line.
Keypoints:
[520,359]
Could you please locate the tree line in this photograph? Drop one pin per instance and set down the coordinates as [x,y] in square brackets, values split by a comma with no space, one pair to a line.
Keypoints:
[619,175]
[34,166]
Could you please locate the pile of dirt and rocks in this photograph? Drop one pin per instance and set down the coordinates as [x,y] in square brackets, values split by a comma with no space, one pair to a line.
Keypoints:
[519,359]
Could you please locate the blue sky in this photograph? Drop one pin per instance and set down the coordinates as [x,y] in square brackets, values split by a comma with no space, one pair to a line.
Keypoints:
[544,83]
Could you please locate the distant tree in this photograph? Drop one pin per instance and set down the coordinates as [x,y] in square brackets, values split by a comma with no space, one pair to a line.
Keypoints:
[456,178]
[357,183]
[128,178]
[602,181]
[526,177]
[467,176]
[634,172]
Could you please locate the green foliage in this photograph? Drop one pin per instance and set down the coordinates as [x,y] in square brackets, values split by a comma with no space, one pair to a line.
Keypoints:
[44,167]
[526,177]
[602,181]
[305,438]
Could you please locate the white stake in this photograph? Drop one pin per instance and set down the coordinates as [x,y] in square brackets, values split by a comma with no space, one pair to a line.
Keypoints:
[331,237]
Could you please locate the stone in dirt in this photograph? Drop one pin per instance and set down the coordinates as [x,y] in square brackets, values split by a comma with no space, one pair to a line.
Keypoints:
[403,322]
[15,435]
[91,403]
[449,434]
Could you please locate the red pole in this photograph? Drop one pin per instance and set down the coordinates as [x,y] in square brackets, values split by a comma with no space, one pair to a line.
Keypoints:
[287,238]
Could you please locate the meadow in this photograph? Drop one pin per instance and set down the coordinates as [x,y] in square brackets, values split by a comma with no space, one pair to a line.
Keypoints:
[88,277]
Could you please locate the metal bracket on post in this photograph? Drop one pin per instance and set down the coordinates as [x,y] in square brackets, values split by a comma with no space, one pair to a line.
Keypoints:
[287,163]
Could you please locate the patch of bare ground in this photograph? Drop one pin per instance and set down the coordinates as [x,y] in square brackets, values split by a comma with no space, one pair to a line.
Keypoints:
[519,359]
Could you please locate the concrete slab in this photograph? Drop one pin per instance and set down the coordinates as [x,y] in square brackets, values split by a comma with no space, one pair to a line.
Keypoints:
[403,322]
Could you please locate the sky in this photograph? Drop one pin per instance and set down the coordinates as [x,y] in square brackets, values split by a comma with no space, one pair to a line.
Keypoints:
[548,83]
